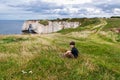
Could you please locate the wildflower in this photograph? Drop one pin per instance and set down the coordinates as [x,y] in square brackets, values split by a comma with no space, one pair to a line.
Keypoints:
[24,72]
[30,72]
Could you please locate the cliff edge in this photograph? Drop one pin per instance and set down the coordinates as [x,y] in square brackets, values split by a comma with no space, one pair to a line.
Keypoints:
[47,26]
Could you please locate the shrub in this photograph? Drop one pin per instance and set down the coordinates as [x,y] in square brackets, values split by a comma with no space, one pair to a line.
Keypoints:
[115,17]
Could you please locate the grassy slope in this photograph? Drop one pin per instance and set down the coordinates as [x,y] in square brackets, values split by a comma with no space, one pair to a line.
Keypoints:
[99,56]
[85,24]
[112,23]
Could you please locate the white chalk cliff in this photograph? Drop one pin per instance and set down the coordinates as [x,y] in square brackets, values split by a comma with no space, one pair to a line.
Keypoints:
[53,26]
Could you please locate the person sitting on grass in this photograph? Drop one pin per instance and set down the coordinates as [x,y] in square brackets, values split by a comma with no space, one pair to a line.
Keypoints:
[74,51]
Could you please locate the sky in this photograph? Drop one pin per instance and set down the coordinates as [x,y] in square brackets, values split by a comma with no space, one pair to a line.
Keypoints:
[51,9]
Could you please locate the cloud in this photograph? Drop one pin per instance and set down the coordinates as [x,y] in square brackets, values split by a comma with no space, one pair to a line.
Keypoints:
[49,9]
[116,11]
[59,2]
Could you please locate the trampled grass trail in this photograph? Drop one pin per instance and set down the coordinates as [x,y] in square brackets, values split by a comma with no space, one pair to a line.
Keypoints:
[38,57]
[100,26]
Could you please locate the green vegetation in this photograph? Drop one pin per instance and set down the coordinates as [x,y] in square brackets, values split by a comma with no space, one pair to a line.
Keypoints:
[86,23]
[65,31]
[12,39]
[118,38]
[89,21]
[112,23]
[83,21]
[115,17]
[38,57]
[44,22]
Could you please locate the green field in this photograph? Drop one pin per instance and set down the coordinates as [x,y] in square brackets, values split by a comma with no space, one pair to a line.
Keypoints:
[112,23]
[38,57]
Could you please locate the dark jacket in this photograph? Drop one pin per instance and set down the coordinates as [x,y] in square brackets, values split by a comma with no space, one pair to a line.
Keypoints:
[75,52]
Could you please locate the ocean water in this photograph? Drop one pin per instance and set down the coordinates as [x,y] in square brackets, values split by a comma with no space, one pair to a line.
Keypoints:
[11,26]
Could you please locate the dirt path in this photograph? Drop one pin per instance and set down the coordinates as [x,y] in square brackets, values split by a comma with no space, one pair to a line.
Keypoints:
[100,26]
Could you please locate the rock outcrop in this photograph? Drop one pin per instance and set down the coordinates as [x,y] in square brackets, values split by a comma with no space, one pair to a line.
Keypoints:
[34,26]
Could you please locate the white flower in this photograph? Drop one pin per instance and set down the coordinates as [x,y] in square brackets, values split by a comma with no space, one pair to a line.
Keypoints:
[30,72]
[24,72]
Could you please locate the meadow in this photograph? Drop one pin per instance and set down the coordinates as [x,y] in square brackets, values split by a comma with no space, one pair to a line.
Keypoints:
[38,57]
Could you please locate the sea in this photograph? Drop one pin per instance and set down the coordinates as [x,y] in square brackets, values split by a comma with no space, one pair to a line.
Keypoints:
[11,27]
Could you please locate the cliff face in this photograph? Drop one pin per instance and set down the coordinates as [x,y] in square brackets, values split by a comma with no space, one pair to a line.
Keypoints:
[53,26]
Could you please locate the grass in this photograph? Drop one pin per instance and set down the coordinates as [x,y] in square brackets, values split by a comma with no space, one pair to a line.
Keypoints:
[112,23]
[99,57]
[44,22]
[12,39]
[96,60]
[86,24]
